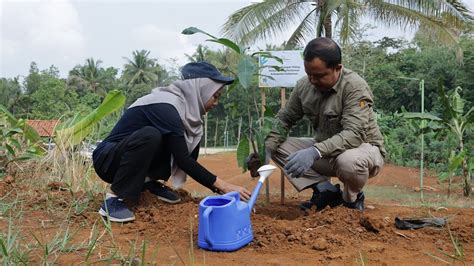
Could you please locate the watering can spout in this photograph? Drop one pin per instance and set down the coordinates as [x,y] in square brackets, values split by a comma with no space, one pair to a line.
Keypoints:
[264,172]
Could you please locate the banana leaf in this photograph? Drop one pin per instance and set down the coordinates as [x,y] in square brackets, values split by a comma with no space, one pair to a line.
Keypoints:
[29,132]
[75,134]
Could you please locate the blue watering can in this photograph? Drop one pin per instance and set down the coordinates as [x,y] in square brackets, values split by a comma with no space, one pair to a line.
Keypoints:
[224,221]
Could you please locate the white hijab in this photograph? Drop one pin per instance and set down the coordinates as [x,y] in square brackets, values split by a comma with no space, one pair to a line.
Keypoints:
[189,98]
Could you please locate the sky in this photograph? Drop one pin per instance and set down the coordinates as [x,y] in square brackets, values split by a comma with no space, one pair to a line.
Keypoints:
[65,33]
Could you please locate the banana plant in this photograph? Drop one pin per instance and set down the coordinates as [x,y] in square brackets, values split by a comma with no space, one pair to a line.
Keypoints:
[18,140]
[247,69]
[452,119]
[75,134]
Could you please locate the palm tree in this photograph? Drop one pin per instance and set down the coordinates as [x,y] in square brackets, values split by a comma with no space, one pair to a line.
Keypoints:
[442,19]
[200,54]
[91,76]
[141,69]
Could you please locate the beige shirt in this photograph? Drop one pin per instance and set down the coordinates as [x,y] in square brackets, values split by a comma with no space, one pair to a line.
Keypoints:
[343,117]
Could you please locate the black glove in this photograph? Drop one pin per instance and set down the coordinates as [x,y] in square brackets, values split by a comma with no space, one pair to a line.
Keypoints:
[299,162]
[253,163]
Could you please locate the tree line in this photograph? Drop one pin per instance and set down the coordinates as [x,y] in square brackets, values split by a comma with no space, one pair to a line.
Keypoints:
[384,64]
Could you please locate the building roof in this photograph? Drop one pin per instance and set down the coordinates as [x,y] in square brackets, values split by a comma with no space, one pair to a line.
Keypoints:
[45,128]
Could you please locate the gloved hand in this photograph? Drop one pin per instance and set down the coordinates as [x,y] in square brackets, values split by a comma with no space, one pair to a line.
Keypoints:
[299,162]
[253,163]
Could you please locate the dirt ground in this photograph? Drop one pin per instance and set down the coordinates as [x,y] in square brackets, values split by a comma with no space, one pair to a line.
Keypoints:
[283,235]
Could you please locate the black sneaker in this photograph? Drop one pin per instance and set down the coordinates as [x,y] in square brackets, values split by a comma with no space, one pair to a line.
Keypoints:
[162,192]
[115,210]
[358,203]
[324,194]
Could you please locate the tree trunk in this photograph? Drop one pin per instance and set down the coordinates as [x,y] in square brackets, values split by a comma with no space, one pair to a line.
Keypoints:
[326,20]
[226,135]
[215,135]
[328,26]
[205,134]
[465,171]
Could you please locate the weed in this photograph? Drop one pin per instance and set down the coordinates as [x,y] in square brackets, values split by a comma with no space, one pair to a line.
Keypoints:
[362,258]
[10,247]
[191,242]
[458,250]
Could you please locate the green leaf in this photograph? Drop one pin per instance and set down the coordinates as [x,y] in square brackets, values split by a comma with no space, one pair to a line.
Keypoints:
[30,133]
[469,117]
[260,138]
[421,116]
[246,70]
[10,149]
[76,133]
[457,102]
[456,161]
[243,151]
[268,55]
[193,30]
[15,143]
[447,108]
[234,85]
[22,158]
[227,43]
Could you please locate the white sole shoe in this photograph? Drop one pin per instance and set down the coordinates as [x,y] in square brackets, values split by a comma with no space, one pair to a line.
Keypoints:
[114,219]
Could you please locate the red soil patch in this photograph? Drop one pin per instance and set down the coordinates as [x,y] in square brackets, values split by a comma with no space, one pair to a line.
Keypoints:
[282,233]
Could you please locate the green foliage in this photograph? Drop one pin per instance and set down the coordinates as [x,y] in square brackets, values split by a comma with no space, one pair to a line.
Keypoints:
[247,70]
[74,134]
[90,76]
[10,92]
[140,69]
[263,19]
[18,141]
[243,150]
[455,121]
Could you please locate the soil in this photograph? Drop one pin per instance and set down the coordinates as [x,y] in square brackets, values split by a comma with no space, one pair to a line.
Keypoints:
[283,234]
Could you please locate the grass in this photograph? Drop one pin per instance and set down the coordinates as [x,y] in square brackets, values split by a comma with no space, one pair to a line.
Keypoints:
[409,198]
[458,249]
[101,246]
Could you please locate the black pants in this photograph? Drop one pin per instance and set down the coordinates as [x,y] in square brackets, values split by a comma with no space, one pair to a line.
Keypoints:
[127,163]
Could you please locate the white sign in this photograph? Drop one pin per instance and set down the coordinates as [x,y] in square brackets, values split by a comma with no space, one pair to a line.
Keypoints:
[293,69]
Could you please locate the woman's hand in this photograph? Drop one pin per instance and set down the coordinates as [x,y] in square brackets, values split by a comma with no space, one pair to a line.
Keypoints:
[226,187]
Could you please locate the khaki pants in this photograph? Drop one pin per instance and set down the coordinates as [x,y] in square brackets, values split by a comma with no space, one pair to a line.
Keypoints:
[353,167]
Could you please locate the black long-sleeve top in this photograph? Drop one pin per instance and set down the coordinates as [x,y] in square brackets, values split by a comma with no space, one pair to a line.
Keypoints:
[166,119]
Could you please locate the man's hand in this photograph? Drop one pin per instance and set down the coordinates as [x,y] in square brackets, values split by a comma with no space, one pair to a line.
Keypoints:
[299,162]
[253,163]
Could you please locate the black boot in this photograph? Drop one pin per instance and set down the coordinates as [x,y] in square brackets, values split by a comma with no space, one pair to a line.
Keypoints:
[358,203]
[324,194]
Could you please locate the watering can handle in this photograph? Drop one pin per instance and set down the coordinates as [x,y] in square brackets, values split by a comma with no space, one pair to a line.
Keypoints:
[233,194]
[207,232]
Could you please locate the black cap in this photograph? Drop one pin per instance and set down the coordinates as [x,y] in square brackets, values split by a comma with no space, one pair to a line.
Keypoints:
[204,70]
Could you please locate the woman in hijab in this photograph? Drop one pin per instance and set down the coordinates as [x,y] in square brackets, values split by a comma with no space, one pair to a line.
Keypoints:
[157,138]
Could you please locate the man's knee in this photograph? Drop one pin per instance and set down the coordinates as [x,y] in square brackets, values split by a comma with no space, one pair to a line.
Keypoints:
[350,164]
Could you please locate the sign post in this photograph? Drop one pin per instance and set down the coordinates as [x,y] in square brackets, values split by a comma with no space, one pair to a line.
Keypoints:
[292,70]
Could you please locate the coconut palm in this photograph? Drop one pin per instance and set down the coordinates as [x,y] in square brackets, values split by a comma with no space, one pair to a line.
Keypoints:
[141,69]
[442,19]
[91,76]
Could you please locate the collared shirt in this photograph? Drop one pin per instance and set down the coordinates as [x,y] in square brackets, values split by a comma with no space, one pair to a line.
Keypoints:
[342,117]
